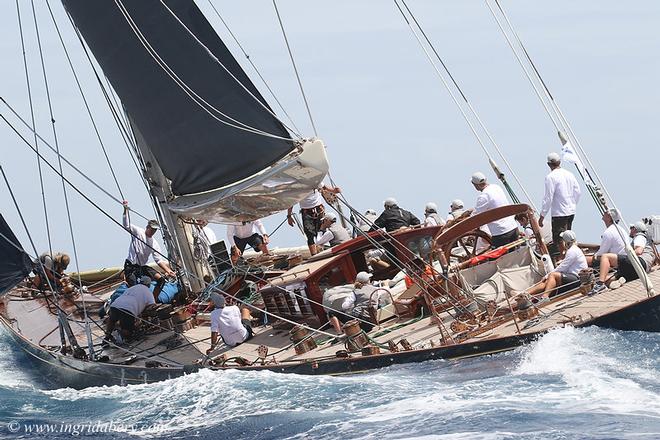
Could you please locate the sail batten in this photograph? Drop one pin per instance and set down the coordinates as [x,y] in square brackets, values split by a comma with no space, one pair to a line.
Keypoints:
[204,120]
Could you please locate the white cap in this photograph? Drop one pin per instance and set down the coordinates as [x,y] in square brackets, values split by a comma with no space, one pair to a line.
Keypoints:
[363,277]
[478,178]
[390,201]
[568,236]
[330,216]
[456,204]
[640,226]
[370,212]
[431,207]
[554,158]
[615,214]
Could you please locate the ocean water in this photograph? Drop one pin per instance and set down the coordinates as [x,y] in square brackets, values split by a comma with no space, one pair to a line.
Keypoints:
[570,384]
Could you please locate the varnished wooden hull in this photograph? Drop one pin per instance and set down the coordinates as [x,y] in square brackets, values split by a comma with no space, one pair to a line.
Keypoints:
[55,369]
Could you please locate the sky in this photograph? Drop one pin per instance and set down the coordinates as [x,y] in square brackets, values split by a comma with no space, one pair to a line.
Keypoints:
[390,127]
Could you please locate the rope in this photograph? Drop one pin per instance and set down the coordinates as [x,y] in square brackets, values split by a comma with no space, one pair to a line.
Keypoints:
[61,172]
[296,131]
[295,69]
[203,104]
[36,143]
[454,98]
[59,155]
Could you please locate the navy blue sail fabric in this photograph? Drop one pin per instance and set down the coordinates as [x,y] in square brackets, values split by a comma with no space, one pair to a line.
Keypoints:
[195,151]
[15,264]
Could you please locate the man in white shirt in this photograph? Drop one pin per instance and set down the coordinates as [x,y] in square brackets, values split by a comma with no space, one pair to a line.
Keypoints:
[565,276]
[312,212]
[252,233]
[612,241]
[128,307]
[491,196]
[431,216]
[625,270]
[562,193]
[370,216]
[144,245]
[333,233]
[229,322]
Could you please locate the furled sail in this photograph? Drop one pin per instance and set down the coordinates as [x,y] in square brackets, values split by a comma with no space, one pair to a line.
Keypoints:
[196,110]
[15,264]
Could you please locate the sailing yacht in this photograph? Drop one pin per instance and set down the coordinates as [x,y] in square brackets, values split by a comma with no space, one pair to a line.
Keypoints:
[211,148]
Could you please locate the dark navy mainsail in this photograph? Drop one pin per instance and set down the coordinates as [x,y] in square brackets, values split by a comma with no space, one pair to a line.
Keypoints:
[175,91]
[15,264]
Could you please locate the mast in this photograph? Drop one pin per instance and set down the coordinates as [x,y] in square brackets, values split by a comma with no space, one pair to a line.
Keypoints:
[177,235]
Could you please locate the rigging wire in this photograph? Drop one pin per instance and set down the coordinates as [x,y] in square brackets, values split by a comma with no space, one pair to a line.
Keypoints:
[64,191]
[272,93]
[34,128]
[464,97]
[295,69]
[214,58]
[84,98]
[75,168]
[197,99]
[561,123]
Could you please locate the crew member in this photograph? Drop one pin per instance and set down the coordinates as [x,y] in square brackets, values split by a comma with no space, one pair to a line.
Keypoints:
[491,196]
[49,270]
[456,209]
[625,270]
[393,217]
[611,241]
[562,193]
[370,216]
[566,275]
[143,245]
[311,211]
[333,233]
[127,308]
[356,305]
[431,216]
[229,322]
[252,233]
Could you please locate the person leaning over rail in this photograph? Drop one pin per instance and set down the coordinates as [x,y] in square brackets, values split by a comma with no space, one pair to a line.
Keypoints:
[611,241]
[491,196]
[393,218]
[333,233]
[431,216]
[311,211]
[562,193]
[625,270]
[565,276]
[229,322]
[144,245]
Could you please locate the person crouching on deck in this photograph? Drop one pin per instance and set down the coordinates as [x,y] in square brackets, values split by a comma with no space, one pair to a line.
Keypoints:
[356,305]
[565,276]
[229,322]
[625,269]
[333,232]
[143,245]
[49,270]
[127,308]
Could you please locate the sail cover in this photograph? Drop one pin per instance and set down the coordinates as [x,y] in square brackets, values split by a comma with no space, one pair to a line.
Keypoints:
[186,105]
[15,264]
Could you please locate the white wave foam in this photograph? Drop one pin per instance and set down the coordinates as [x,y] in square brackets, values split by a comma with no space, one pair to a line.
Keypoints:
[597,380]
